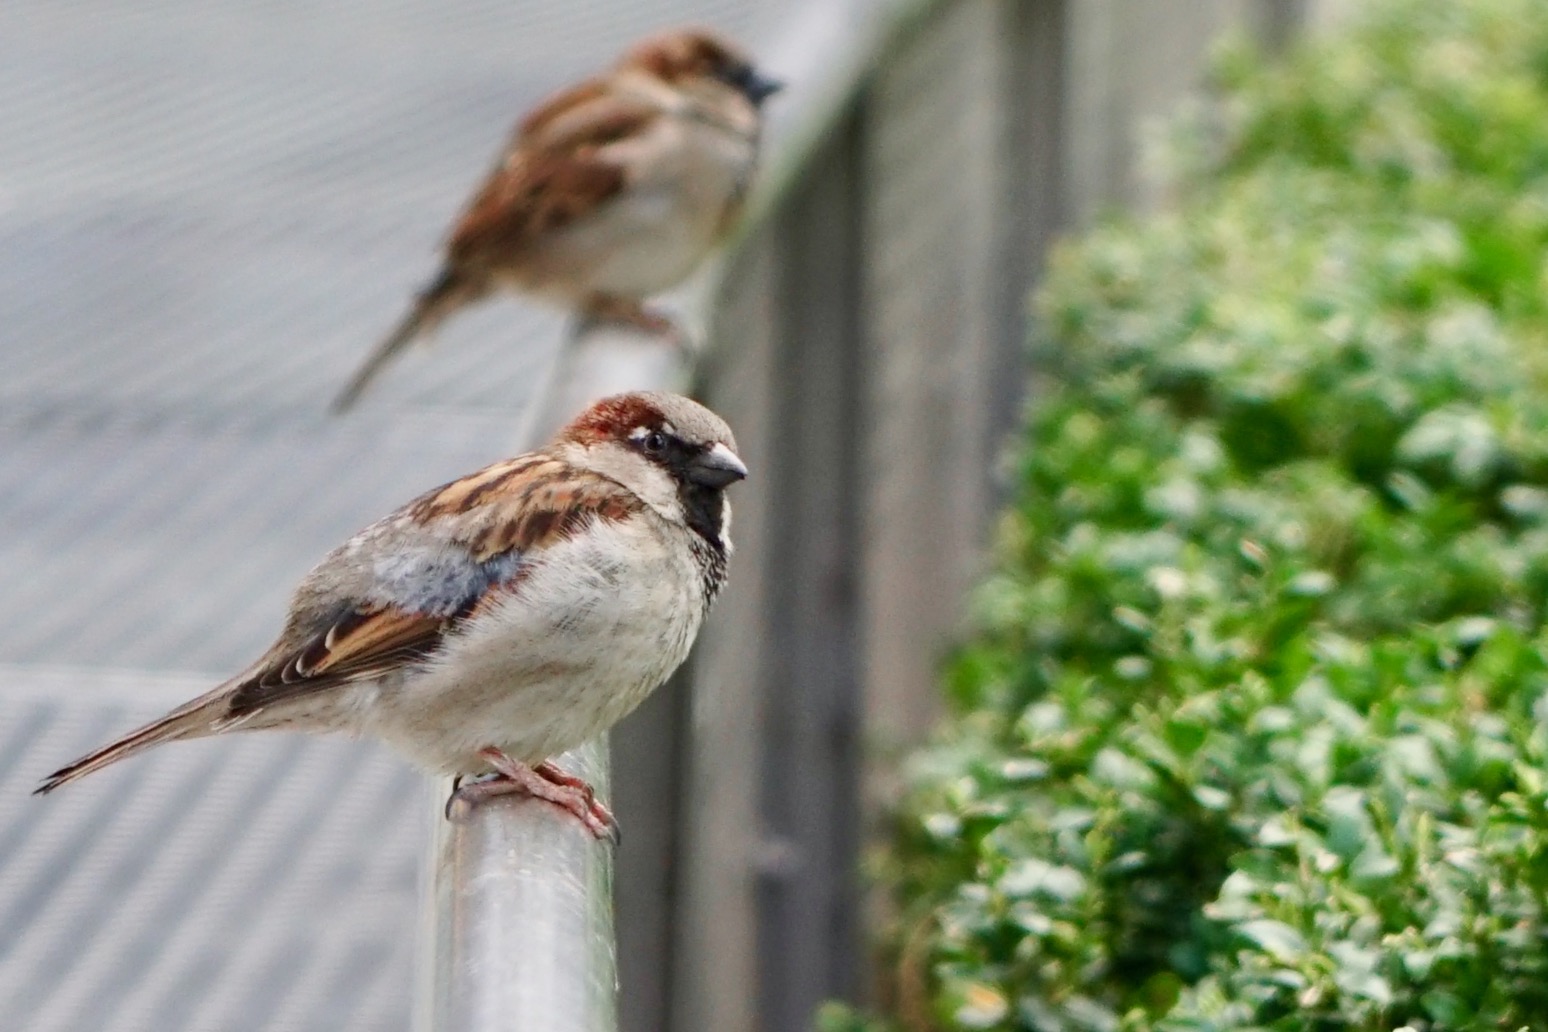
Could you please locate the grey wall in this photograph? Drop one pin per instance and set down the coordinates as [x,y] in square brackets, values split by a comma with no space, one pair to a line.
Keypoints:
[868,351]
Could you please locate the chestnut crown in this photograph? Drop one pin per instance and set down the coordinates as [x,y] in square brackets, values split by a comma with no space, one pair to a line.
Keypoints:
[668,430]
[684,55]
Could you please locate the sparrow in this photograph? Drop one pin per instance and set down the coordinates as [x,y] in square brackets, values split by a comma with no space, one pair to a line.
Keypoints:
[608,192]
[502,618]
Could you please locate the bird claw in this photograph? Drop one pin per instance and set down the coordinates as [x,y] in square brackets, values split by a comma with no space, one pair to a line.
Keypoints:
[641,318]
[546,781]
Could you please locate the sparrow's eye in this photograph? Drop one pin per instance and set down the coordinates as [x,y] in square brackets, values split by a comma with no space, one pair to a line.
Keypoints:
[654,443]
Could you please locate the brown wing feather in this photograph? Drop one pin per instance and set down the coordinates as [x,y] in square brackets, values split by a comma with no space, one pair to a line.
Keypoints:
[363,643]
[558,108]
[521,506]
[554,173]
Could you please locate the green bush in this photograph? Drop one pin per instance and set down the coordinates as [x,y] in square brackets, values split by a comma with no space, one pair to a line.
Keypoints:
[1254,732]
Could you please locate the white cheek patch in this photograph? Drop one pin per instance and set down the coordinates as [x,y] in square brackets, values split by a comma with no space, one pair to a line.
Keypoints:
[649,482]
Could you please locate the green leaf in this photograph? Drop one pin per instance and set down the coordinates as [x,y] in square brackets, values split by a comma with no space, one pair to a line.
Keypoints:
[1034,877]
[1253,705]
[1278,939]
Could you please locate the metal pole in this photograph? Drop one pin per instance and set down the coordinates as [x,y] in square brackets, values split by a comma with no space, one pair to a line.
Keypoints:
[524,918]
[520,911]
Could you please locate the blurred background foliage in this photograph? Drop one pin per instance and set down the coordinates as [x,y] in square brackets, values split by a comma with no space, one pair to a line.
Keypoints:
[1252,730]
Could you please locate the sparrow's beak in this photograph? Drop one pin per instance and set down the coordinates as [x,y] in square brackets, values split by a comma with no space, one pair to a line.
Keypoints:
[757,87]
[717,467]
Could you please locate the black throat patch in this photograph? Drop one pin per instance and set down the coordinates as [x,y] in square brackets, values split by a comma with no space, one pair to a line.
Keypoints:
[704,509]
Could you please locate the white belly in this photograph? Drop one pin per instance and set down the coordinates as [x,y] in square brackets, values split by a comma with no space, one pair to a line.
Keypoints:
[678,203]
[593,627]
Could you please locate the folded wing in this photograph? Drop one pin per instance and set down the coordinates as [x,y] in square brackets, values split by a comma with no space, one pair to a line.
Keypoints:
[390,596]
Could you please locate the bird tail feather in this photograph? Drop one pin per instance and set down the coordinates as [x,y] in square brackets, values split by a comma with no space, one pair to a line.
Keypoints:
[435,302]
[194,719]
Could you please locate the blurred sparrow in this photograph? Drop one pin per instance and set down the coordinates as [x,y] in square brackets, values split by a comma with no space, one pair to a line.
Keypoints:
[505,617]
[609,192]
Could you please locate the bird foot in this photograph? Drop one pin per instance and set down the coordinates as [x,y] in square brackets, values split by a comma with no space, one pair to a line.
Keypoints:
[634,315]
[546,781]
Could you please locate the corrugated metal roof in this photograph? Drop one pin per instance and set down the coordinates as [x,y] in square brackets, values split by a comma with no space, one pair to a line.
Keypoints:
[263,883]
[208,212]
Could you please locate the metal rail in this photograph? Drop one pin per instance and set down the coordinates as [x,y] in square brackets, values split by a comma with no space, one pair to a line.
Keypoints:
[521,907]
[521,935]
[524,918]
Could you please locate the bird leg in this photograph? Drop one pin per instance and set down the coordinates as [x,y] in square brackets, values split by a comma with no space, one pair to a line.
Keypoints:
[605,310]
[546,781]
